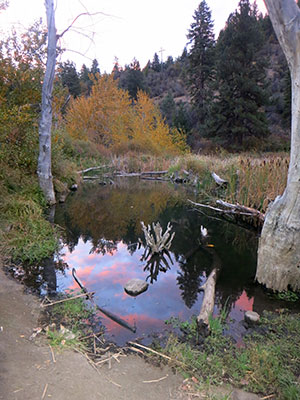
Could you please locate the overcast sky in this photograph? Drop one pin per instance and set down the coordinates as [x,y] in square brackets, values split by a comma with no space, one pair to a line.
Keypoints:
[129,28]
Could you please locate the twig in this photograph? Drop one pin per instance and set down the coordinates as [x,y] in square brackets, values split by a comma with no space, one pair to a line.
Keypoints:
[267,397]
[44,392]
[68,299]
[115,356]
[157,380]
[136,350]
[151,350]
[52,353]
[157,353]
[95,367]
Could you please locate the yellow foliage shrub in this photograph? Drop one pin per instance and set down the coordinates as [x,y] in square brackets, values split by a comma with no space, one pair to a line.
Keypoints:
[108,117]
[103,116]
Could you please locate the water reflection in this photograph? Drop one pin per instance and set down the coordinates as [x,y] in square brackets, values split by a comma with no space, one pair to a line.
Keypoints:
[101,231]
[101,236]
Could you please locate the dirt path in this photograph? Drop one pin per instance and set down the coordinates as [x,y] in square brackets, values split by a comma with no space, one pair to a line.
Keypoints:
[28,371]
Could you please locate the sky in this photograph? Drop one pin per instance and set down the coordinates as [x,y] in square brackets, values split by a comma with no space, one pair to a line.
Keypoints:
[125,29]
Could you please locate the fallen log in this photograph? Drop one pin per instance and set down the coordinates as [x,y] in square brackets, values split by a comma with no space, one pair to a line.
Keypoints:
[127,174]
[248,215]
[243,210]
[154,178]
[110,315]
[152,173]
[83,171]
[208,302]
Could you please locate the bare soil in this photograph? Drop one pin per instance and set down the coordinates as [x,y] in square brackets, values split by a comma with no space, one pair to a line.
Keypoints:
[28,370]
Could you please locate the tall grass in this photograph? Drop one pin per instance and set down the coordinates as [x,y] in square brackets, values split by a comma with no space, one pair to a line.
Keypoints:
[253,181]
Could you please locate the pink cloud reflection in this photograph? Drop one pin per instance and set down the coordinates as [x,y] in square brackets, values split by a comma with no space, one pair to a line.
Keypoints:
[244,303]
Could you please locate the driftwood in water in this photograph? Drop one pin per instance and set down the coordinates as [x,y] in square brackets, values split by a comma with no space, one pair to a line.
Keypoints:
[243,210]
[208,302]
[219,181]
[232,212]
[110,315]
[158,241]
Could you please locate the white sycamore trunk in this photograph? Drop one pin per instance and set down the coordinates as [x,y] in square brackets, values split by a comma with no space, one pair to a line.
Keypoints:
[278,263]
[44,159]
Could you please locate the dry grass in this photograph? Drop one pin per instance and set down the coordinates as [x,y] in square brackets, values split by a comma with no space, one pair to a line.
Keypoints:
[253,180]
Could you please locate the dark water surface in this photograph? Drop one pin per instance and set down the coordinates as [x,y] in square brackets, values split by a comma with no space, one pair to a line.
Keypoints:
[101,232]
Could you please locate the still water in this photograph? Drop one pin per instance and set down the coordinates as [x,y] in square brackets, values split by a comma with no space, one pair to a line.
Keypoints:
[101,229]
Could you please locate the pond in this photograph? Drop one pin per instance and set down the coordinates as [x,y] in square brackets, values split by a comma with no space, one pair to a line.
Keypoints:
[101,226]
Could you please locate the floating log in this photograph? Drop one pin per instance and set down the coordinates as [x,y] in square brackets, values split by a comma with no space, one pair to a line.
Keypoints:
[110,315]
[219,181]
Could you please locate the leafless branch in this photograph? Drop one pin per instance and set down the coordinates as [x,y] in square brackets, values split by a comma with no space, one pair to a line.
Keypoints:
[81,15]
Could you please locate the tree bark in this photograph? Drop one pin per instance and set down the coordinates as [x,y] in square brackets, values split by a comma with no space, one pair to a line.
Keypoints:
[44,160]
[278,265]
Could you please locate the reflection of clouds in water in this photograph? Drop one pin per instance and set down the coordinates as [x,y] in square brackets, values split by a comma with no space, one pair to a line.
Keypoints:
[107,275]
[242,304]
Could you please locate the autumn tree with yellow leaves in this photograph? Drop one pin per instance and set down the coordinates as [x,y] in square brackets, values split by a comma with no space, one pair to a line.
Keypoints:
[108,117]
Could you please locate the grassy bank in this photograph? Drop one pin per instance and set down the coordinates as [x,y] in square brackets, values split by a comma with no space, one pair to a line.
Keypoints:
[253,180]
[268,363]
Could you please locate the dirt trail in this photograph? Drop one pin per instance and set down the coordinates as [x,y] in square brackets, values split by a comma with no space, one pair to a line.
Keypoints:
[28,371]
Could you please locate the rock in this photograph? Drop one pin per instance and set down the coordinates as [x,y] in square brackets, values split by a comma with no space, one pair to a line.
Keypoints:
[134,287]
[238,394]
[74,187]
[251,317]
[62,197]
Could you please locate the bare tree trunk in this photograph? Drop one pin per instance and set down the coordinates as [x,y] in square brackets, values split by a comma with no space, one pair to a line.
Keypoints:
[44,159]
[278,263]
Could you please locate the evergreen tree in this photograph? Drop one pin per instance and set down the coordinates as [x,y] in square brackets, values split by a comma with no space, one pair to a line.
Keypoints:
[85,82]
[237,112]
[95,68]
[117,70]
[200,58]
[132,79]
[156,63]
[69,78]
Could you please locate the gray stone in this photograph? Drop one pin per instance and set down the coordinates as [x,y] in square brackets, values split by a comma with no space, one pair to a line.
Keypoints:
[135,287]
[252,317]
[238,394]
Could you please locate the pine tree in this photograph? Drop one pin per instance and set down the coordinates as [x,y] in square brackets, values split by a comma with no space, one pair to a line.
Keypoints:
[132,79]
[156,63]
[95,68]
[201,58]
[69,78]
[85,81]
[237,114]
